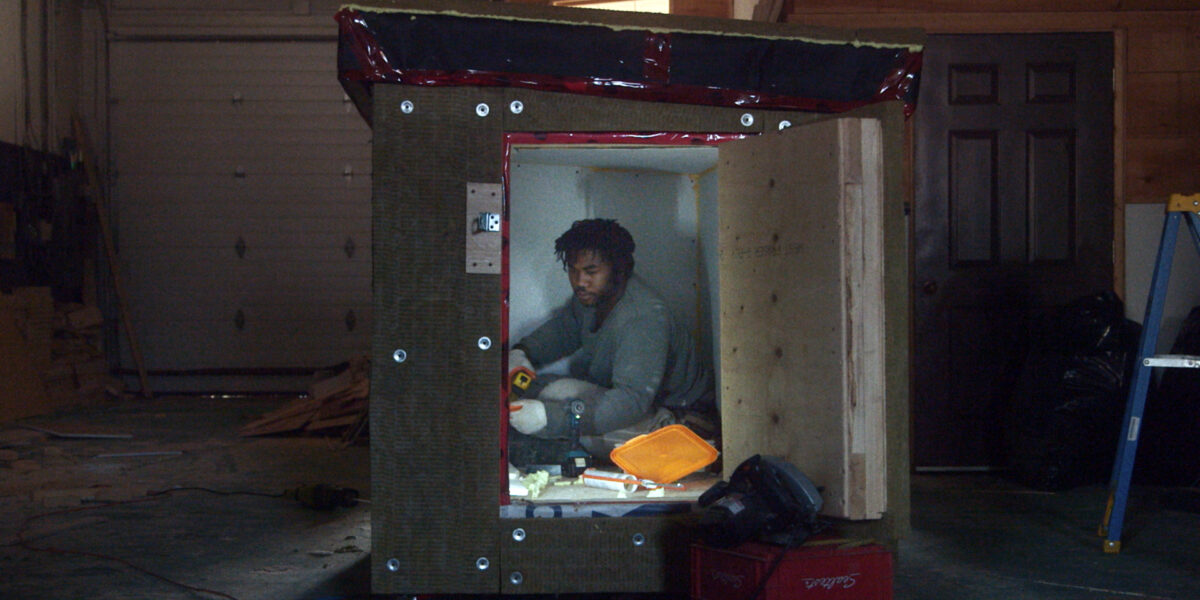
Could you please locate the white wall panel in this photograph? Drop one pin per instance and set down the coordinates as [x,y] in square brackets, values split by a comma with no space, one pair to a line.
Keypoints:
[1143,232]
[660,207]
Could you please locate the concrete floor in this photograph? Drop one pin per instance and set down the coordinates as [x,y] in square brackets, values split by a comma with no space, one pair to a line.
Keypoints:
[975,536]
[984,537]
[243,546]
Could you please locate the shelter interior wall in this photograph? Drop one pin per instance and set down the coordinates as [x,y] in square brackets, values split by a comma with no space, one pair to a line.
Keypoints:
[660,209]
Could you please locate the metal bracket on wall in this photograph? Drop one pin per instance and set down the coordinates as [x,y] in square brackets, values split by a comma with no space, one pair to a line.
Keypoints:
[485,203]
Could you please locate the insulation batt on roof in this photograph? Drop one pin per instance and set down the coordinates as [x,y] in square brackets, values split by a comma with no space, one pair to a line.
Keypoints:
[428,48]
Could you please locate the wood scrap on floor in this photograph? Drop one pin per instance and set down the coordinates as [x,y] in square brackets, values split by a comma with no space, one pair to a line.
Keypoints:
[334,405]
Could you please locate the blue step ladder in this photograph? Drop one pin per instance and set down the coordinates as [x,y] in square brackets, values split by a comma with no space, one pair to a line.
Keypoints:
[1180,207]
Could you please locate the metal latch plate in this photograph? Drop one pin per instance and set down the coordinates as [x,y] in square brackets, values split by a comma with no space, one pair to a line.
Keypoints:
[485,204]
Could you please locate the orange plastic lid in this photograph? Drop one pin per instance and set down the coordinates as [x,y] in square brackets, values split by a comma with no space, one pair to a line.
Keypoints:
[665,455]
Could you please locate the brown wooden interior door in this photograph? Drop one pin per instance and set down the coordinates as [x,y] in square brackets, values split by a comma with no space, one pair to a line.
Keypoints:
[1013,161]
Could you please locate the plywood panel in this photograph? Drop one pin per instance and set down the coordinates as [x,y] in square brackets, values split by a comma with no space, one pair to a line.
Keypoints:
[801,307]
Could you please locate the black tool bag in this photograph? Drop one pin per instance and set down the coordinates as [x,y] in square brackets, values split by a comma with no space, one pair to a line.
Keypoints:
[1065,415]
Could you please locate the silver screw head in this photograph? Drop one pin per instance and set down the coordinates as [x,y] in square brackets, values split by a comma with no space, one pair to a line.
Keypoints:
[519,534]
[393,564]
[639,539]
[784,124]
[482,109]
[399,355]
[485,342]
[407,107]
[516,106]
[516,578]
[482,563]
[747,119]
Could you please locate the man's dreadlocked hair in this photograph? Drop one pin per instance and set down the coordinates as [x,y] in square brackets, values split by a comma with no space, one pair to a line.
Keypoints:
[612,242]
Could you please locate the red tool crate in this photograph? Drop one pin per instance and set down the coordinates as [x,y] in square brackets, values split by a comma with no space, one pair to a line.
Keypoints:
[825,569]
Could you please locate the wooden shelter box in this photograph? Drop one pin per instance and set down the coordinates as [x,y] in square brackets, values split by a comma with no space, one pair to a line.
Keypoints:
[778,231]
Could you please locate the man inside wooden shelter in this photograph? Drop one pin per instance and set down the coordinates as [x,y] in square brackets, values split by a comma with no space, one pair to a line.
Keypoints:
[633,367]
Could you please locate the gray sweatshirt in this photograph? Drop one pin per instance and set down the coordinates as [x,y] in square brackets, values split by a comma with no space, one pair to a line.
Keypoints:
[640,355]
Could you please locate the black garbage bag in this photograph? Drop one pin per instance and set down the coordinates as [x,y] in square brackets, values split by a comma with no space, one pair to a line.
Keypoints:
[1169,442]
[1065,415]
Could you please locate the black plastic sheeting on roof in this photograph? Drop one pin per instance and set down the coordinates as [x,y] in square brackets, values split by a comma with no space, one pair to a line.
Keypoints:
[415,48]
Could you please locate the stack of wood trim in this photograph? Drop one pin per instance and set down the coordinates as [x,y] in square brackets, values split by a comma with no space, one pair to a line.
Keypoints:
[336,404]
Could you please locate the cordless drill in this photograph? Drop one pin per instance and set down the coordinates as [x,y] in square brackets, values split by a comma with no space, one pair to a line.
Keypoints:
[577,459]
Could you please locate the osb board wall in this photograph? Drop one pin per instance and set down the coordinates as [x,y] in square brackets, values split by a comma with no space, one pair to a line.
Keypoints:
[1158,68]
[435,417]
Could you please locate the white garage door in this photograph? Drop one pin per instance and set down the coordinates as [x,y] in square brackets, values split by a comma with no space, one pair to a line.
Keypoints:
[241,186]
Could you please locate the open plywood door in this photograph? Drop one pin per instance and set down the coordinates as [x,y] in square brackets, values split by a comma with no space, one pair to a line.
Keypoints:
[802,349]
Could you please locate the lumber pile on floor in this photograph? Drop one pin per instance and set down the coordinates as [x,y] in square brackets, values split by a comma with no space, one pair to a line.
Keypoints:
[334,405]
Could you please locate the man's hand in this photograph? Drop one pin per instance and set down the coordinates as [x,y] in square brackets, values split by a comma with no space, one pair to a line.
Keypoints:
[527,416]
[518,360]
[520,372]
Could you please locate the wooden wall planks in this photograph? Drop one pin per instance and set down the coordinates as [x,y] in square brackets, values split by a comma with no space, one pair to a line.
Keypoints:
[702,8]
[1158,80]
[1163,131]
